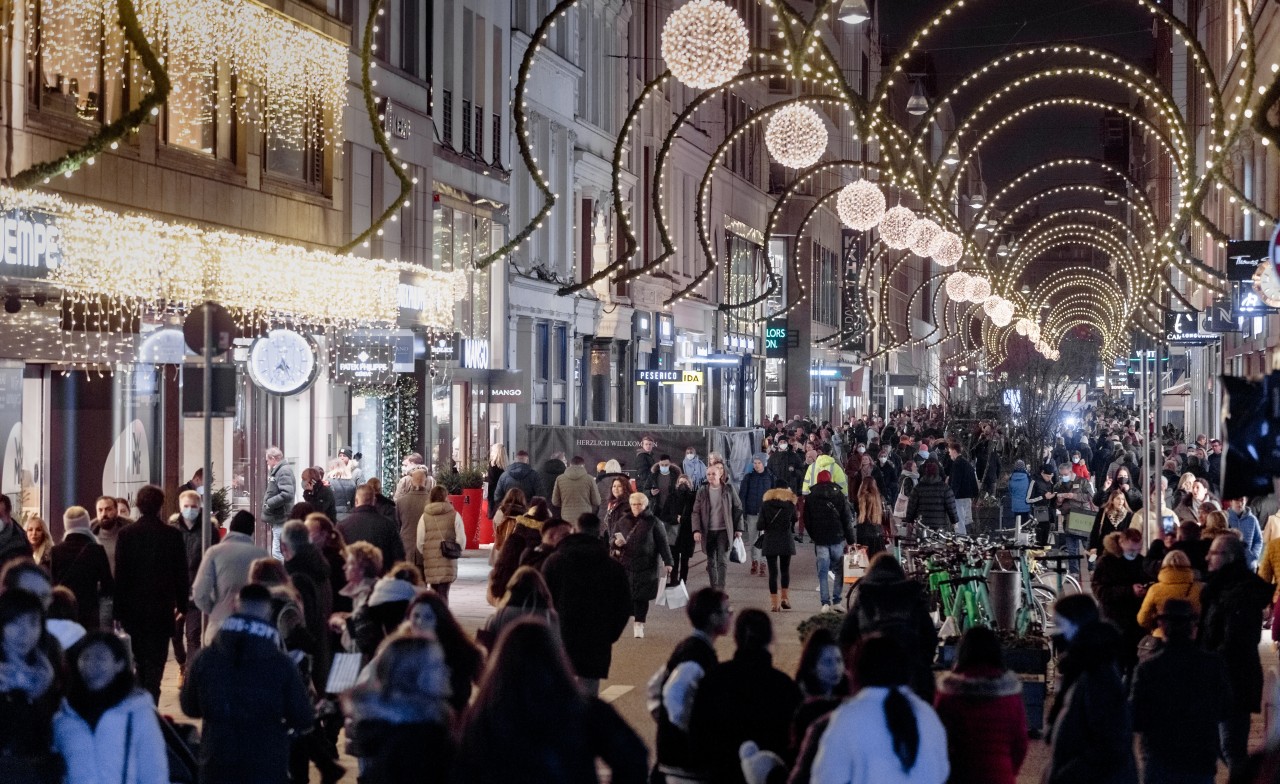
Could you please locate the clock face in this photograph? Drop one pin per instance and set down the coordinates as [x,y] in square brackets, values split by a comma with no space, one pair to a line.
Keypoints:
[283,362]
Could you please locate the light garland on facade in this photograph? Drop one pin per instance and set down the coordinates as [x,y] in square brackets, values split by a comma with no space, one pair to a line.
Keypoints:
[946,248]
[895,227]
[861,205]
[149,264]
[289,75]
[705,43]
[796,136]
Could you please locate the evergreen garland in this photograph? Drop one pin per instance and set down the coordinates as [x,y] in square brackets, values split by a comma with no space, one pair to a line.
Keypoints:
[401,423]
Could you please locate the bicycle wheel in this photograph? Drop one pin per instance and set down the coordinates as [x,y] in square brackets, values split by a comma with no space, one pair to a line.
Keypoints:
[1070,585]
[1043,606]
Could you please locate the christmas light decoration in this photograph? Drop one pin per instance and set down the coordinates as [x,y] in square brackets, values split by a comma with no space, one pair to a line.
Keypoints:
[705,43]
[796,136]
[861,205]
[946,248]
[922,233]
[978,289]
[895,227]
[957,286]
[1002,313]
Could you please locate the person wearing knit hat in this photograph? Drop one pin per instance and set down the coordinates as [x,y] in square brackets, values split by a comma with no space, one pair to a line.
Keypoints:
[829,520]
[758,481]
[81,564]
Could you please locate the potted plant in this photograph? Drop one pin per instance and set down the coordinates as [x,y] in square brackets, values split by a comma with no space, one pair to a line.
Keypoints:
[1026,655]
[450,479]
[471,482]
[831,620]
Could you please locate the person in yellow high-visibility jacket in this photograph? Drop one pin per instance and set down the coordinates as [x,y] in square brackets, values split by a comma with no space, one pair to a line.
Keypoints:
[825,462]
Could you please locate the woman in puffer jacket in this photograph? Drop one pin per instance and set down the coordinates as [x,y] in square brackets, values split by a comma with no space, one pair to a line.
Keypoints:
[107,729]
[1177,581]
[980,704]
[777,524]
[438,524]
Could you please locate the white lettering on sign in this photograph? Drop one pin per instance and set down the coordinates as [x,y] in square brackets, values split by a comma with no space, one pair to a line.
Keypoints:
[32,244]
[506,392]
[475,353]
[411,297]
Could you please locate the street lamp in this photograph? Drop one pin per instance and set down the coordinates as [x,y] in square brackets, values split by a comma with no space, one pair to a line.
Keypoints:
[917,104]
[854,12]
[953,155]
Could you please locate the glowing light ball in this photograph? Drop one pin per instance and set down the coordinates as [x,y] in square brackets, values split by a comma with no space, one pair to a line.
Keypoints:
[922,233]
[979,288]
[705,44]
[957,286]
[796,136]
[946,248]
[895,227]
[861,205]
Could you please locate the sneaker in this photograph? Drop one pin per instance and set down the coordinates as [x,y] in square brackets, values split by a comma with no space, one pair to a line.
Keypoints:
[826,608]
[637,630]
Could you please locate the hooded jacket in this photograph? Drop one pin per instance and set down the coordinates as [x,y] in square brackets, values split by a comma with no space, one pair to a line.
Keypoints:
[1176,582]
[526,535]
[827,516]
[250,695]
[1250,531]
[437,524]
[575,493]
[592,594]
[777,522]
[825,463]
[646,542]
[986,725]
[547,475]
[1019,485]
[754,486]
[519,475]
[99,753]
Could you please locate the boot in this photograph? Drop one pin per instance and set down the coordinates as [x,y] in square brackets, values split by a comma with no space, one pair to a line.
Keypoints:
[755,567]
[786,600]
[773,600]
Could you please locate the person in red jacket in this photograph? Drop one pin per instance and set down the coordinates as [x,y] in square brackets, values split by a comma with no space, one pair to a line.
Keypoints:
[980,704]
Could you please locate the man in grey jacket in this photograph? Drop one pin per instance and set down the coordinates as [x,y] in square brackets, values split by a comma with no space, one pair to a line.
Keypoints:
[575,491]
[224,571]
[278,499]
[717,521]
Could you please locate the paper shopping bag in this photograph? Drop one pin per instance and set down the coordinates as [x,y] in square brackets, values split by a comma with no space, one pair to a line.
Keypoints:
[855,565]
[661,598]
[677,596]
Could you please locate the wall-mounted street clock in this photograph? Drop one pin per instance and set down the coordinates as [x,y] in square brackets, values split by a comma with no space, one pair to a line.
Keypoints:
[283,362]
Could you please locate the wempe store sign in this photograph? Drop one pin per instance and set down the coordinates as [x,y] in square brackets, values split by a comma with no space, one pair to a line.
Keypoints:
[30,244]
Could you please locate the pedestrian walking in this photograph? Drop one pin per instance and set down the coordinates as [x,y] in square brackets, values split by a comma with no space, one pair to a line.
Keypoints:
[412,496]
[527,596]
[429,616]
[963,481]
[575,492]
[592,595]
[29,675]
[80,563]
[249,695]
[637,542]
[518,474]
[758,481]
[682,501]
[153,586]
[777,526]
[224,571]
[616,505]
[526,534]
[1020,494]
[1119,584]
[717,521]
[436,533]
[552,469]
[106,526]
[830,524]
[980,704]
[932,502]
[37,534]
[887,602]
[497,467]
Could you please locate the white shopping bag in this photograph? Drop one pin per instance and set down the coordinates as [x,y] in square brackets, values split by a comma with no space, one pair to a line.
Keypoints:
[677,596]
[661,598]
[738,553]
[855,565]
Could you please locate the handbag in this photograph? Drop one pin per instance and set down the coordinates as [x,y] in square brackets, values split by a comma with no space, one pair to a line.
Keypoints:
[450,550]
[900,506]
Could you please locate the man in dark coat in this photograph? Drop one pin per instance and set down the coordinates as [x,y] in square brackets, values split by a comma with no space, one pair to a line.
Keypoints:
[645,461]
[743,699]
[249,695]
[518,474]
[888,602]
[591,593]
[152,586]
[787,464]
[13,540]
[932,502]
[1231,604]
[310,574]
[547,476]
[364,524]
[190,523]
[674,688]
[1178,698]
[829,521]
[1119,583]
[964,486]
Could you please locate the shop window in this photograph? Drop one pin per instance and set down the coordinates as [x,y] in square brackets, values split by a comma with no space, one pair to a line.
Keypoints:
[466,125]
[542,351]
[66,66]
[199,109]
[302,163]
[442,244]
[561,413]
[562,354]
[446,114]
[496,160]
[479,129]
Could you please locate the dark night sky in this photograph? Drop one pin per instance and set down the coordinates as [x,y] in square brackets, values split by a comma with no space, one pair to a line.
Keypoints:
[985,29]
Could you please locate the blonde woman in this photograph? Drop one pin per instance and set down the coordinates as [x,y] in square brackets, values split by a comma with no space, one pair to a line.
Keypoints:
[497,465]
[38,537]
[870,516]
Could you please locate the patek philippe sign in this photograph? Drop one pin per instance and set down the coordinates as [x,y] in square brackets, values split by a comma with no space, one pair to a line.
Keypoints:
[1244,256]
[30,244]
[357,364]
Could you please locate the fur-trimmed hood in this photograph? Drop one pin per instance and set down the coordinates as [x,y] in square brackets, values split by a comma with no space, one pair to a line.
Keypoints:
[1111,544]
[780,494]
[983,684]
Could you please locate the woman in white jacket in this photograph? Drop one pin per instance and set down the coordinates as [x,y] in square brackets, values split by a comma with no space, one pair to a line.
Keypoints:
[107,729]
[884,734]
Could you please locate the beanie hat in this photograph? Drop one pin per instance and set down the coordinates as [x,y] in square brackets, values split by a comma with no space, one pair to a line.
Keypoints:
[762,457]
[824,476]
[76,518]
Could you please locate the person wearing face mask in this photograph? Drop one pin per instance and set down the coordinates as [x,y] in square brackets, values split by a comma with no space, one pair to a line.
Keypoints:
[189,522]
[1114,515]
[1091,737]
[886,475]
[1119,584]
[1079,467]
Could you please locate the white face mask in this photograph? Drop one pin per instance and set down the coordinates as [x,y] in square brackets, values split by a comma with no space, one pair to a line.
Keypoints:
[1075,460]
[861,449]
[190,513]
[1130,556]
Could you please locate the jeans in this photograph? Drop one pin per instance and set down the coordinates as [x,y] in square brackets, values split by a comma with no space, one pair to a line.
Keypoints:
[150,651]
[964,515]
[1071,545]
[830,559]
[1233,735]
[275,542]
[186,637]
[717,546]
[752,521]
[679,567]
[779,564]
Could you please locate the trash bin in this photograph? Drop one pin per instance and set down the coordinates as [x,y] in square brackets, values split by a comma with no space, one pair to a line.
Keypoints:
[1004,590]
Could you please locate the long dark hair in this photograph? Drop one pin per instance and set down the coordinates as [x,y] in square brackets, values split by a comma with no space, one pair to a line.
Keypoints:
[882,661]
[979,649]
[819,639]
[459,651]
[513,503]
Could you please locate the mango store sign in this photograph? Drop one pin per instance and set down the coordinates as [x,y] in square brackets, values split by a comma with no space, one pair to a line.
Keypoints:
[30,244]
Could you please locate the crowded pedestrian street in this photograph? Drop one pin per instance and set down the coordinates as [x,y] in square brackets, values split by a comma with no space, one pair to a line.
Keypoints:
[640,391]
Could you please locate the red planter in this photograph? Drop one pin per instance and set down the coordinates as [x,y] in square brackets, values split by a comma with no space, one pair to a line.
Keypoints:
[485,529]
[468,505]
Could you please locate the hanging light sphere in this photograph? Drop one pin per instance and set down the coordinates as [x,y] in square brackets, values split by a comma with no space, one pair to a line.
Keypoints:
[705,44]
[979,289]
[990,304]
[895,227]
[860,204]
[946,248]
[1002,314]
[958,286]
[1020,326]
[1033,331]
[1056,355]
[796,136]
[922,233]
